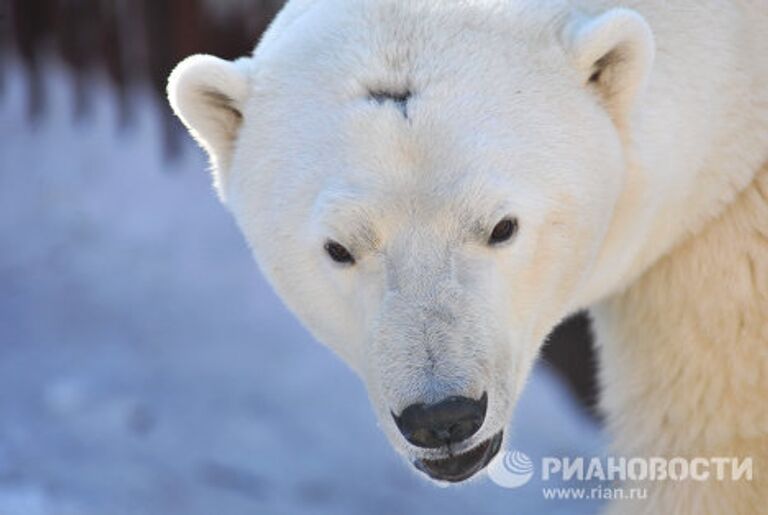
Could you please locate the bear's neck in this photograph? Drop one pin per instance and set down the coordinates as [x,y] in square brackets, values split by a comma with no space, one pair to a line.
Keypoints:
[694,140]
[684,349]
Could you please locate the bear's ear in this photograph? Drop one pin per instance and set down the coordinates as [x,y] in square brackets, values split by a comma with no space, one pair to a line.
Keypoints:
[209,95]
[614,54]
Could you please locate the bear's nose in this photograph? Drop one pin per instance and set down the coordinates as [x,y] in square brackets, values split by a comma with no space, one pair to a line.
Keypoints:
[449,421]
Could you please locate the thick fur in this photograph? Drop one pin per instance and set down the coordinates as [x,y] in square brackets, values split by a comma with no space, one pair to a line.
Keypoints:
[685,360]
[626,139]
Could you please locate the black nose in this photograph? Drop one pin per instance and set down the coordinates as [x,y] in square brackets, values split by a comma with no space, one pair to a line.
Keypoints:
[449,421]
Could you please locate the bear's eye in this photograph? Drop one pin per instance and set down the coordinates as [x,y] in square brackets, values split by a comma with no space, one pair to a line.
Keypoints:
[503,231]
[339,253]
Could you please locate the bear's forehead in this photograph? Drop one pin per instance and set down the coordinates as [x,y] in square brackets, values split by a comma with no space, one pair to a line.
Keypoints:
[406,104]
[447,69]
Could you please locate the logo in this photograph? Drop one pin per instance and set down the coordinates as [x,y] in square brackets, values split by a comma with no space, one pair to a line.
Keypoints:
[613,477]
[512,469]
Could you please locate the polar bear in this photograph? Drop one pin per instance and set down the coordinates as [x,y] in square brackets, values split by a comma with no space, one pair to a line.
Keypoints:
[431,186]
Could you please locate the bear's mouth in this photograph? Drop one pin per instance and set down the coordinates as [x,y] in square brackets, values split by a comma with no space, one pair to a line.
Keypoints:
[462,466]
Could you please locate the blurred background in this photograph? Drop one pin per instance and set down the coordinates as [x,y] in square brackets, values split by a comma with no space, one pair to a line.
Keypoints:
[145,365]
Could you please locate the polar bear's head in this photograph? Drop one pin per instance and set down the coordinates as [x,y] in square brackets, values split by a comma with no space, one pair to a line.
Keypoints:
[428,186]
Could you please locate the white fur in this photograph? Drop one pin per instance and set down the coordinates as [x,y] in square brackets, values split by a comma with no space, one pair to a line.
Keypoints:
[685,360]
[606,177]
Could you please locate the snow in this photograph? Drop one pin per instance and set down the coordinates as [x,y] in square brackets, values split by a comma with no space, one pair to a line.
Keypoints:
[147,368]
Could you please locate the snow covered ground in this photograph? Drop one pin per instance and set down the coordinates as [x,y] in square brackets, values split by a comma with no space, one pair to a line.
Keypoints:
[147,368]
